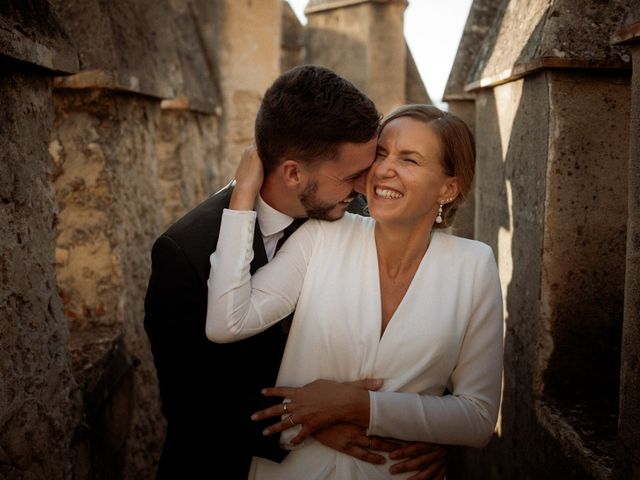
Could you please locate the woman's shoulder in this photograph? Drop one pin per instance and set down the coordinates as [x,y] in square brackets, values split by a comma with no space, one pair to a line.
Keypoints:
[463,248]
[348,224]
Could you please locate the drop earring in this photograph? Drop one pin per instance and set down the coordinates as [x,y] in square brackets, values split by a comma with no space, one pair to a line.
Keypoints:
[439,217]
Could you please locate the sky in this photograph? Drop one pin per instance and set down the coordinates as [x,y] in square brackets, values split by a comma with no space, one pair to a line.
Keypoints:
[433,29]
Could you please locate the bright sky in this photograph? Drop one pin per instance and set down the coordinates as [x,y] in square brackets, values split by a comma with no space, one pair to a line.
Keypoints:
[433,29]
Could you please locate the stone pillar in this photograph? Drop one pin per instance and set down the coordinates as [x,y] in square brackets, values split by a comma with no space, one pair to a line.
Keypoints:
[362,40]
[628,456]
[134,146]
[462,103]
[292,45]
[40,405]
[551,96]
[248,53]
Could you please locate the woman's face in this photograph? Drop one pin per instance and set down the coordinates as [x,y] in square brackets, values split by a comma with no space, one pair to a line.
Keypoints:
[407,180]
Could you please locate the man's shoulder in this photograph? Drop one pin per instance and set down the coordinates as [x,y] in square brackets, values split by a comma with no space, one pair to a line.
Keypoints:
[199,227]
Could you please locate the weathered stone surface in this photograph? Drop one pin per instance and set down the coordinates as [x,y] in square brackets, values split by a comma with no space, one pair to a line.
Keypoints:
[292,46]
[628,457]
[249,55]
[141,46]
[482,16]
[563,33]
[364,42]
[39,405]
[30,32]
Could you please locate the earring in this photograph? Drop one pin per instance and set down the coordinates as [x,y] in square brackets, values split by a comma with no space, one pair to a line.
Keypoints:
[439,217]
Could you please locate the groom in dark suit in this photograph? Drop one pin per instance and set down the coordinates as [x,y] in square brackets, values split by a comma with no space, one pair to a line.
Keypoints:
[309,117]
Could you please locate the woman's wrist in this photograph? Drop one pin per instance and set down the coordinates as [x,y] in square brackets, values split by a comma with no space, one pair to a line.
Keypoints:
[243,197]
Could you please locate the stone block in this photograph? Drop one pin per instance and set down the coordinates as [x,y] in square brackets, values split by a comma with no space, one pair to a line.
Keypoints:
[39,405]
[30,32]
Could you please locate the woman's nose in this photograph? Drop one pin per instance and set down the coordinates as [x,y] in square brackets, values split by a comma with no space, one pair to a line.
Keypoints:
[384,167]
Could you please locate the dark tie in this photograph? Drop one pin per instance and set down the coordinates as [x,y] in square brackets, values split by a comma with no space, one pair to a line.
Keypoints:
[293,226]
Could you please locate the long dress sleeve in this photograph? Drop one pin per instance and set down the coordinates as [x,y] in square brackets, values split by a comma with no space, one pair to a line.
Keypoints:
[467,416]
[240,306]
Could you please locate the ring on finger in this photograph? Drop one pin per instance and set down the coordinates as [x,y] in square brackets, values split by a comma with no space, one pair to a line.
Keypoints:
[370,442]
[290,418]
[285,409]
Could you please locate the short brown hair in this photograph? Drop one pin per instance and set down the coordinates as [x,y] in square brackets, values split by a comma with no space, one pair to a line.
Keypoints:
[308,112]
[457,145]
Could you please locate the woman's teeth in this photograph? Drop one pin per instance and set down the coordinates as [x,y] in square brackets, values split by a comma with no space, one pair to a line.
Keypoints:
[384,193]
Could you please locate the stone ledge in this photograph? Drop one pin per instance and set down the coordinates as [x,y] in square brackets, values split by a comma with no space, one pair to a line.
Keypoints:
[544,63]
[323,5]
[627,34]
[100,79]
[578,445]
[17,45]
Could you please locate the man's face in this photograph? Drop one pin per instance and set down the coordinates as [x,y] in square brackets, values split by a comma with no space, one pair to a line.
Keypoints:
[333,184]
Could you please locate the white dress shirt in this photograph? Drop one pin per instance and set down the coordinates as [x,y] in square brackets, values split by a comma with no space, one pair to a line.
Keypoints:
[272,223]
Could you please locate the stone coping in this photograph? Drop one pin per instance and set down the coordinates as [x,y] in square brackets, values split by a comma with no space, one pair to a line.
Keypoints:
[15,44]
[544,63]
[323,5]
[627,34]
[101,79]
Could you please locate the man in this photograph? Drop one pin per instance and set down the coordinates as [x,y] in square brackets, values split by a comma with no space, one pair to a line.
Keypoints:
[316,134]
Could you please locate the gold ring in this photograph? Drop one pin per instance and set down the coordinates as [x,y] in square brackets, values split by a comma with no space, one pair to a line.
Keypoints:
[370,442]
[285,409]
[290,418]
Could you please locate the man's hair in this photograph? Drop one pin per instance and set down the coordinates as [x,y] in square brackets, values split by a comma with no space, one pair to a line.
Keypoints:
[307,113]
[457,145]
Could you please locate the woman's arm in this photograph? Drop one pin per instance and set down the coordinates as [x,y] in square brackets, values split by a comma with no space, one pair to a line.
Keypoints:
[467,416]
[238,305]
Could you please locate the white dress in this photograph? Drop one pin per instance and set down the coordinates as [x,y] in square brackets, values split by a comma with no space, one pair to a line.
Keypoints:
[446,333]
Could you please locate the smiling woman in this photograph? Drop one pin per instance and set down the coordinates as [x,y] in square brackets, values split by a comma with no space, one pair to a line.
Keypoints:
[374,298]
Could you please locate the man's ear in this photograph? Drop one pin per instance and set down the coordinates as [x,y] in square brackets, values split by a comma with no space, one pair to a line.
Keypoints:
[292,174]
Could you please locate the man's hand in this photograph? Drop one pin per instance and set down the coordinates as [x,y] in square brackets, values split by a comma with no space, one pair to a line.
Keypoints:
[353,440]
[429,458]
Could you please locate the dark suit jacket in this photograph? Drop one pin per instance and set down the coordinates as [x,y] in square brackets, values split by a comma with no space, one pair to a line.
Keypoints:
[208,390]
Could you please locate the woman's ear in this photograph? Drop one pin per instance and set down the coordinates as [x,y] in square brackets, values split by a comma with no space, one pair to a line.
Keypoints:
[450,190]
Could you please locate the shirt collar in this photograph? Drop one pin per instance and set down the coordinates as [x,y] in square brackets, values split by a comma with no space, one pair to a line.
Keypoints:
[270,220]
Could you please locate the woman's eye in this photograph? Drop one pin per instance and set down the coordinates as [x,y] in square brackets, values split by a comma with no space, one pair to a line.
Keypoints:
[411,160]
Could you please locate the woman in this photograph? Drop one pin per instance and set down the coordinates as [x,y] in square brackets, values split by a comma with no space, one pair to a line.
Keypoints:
[385,297]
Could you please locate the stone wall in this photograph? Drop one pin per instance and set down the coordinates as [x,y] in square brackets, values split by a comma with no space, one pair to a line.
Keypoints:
[117,117]
[552,130]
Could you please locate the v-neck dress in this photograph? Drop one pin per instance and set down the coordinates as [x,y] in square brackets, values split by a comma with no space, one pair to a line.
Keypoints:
[445,334]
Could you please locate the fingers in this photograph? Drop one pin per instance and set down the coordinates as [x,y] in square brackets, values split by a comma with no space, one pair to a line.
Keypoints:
[365,455]
[430,463]
[274,411]
[367,384]
[437,471]
[284,424]
[286,392]
[416,448]
[383,445]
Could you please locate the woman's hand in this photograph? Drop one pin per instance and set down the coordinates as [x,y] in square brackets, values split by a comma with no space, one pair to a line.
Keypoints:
[249,178]
[318,405]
